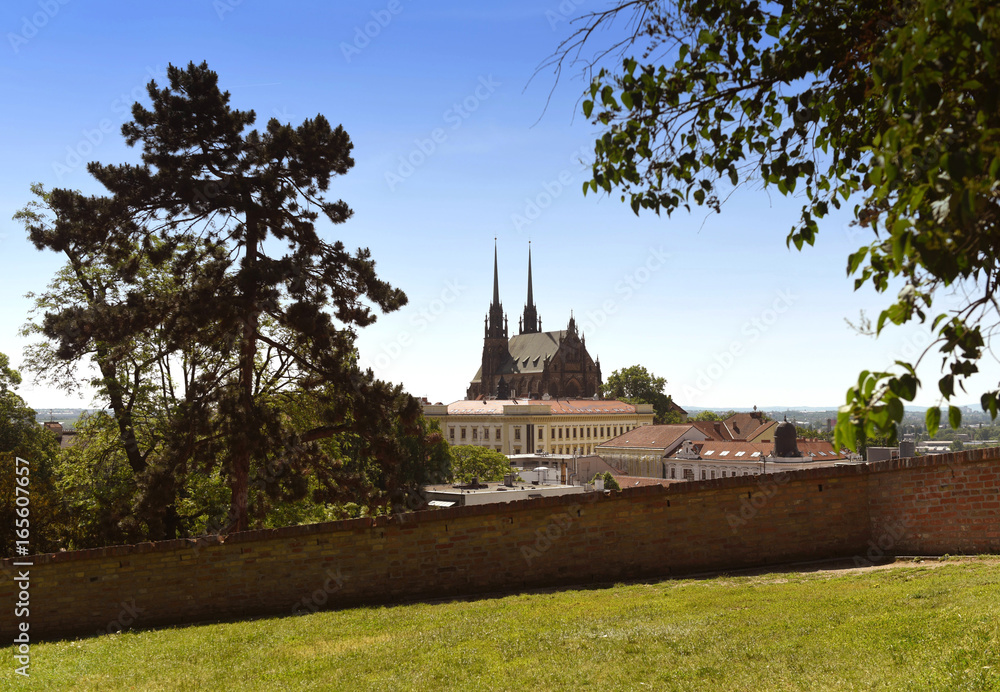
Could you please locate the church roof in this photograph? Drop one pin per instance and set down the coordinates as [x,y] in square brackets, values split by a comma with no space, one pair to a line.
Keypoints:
[528,353]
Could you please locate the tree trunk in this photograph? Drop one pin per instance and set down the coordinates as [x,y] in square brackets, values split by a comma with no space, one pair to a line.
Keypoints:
[239,480]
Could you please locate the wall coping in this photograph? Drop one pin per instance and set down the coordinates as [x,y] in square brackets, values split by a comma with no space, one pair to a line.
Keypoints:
[405,520]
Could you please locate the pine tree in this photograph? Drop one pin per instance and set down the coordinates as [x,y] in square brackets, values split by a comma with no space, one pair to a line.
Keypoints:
[202,204]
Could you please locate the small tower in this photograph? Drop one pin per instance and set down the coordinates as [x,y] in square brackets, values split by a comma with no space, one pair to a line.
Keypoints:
[784,440]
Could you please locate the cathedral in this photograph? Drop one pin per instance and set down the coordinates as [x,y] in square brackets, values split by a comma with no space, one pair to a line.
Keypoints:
[532,364]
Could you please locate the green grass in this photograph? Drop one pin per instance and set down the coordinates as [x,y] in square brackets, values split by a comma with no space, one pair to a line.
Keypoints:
[909,627]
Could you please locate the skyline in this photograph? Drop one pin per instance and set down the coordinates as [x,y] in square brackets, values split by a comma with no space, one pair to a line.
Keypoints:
[457,144]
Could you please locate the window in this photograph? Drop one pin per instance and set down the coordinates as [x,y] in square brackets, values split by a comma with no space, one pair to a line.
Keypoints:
[451,433]
[560,433]
[541,435]
[703,475]
[517,435]
[755,454]
[463,433]
[517,450]
[475,433]
[496,434]
[574,433]
[723,452]
[739,454]
[688,474]
[713,475]
[709,453]
[673,472]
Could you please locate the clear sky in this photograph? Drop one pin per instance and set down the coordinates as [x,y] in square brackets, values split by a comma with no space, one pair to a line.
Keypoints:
[454,146]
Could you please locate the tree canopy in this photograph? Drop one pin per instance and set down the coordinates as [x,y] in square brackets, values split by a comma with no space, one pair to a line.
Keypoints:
[180,291]
[638,386]
[888,105]
[485,464]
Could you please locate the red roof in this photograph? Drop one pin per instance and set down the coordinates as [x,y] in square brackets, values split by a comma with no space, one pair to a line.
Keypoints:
[494,407]
[739,450]
[663,437]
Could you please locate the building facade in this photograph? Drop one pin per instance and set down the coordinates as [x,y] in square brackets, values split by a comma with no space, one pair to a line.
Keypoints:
[533,363]
[553,426]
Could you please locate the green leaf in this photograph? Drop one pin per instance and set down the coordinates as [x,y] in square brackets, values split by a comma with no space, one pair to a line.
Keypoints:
[933,420]
[588,108]
[954,417]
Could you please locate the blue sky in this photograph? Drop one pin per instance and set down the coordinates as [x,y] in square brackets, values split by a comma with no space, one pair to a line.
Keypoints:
[454,146]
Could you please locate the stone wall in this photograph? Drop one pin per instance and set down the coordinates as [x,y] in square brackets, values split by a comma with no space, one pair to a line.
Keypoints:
[929,505]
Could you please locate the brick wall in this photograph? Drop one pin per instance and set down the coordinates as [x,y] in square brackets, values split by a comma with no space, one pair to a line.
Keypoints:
[933,505]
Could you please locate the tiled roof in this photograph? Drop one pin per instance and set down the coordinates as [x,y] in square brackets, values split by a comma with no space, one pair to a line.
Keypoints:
[739,450]
[743,424]
[764,432]
[494,407]
[650,437]
[820,449]
[715,430]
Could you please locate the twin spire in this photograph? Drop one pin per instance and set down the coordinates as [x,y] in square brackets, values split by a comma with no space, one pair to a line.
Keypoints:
[529,323]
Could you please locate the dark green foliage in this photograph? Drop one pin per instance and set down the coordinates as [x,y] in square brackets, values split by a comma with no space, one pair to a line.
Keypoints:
[262,342]
[478,462]
[891,105]
[637,386]
[609,481]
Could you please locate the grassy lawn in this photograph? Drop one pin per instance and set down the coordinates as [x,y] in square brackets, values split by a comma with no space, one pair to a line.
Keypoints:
[927,626]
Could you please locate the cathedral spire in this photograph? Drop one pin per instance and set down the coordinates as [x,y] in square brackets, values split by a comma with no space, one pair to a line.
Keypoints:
[496,278]
[531,323]
[496,327]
